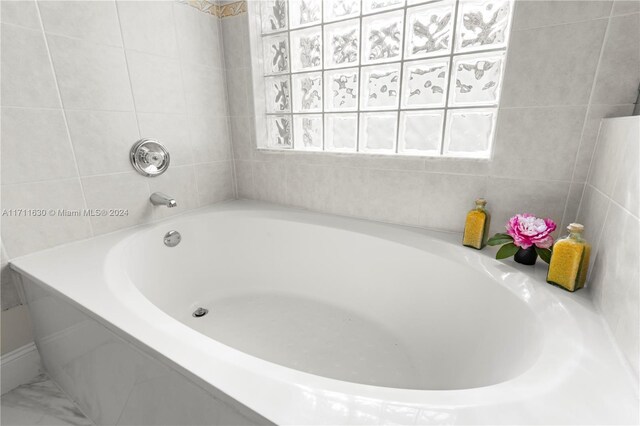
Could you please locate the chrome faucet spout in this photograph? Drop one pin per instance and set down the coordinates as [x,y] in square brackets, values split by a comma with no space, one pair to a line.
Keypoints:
[161,199]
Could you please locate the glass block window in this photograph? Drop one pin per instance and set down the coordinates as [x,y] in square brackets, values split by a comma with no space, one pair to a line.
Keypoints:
[404,77]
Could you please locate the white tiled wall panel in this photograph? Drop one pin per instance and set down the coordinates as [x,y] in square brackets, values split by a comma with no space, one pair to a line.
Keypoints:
[610,213]
[81,82]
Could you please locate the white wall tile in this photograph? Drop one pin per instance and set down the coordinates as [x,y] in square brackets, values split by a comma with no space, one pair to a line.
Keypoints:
[269,180]
[241,133]
[204,90]
[619,72]
[90,76]
[310,186]
[593,211]
[385,195]
[626,191]
[608,155]
[22,235]
[171,130]
[209,138]
[96,21]
[590,135]
[616,267]
[198,36]
[570,215]
[35,146]
[102,140]
[23,13]
[236,92]
[384,162]
[235,37]
[537,143]
[467,166]
[215,182]
[446,199]
[26,76]
[541,13]
[244,179]
[249,82]
[614,281]
[156,83]
[625,7]
[123,191]
[565,75]
[349,196]
[628,329]
[148,26]
[511,196]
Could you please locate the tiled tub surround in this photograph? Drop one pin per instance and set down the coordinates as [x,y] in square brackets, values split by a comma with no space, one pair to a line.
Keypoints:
[570,64]
[116,381]
[611,213]
[119,339]
[81,82]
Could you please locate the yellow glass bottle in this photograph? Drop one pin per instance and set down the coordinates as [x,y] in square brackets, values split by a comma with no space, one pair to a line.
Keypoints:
[476,228]
[570,260]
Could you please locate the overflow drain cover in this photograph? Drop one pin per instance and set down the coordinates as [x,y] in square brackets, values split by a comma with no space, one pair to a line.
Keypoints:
[200,312]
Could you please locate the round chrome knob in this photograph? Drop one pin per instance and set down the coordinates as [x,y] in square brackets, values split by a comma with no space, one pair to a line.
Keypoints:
[149,157]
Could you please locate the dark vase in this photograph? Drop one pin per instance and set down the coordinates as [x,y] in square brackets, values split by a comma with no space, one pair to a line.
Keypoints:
[526,256]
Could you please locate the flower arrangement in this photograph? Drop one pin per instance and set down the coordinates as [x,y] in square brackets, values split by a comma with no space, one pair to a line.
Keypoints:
[527,237]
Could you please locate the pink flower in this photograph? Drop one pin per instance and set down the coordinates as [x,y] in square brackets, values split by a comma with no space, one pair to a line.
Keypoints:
[528,230]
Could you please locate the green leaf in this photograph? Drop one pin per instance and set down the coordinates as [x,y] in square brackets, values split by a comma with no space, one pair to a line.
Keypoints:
[545,254]
[506,250]
[499,239]
[493,241]
[502,234]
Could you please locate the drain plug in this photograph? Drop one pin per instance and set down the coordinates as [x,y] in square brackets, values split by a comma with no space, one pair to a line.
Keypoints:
[200,312]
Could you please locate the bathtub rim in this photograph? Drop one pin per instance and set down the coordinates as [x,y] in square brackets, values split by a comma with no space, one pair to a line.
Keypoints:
[284,386]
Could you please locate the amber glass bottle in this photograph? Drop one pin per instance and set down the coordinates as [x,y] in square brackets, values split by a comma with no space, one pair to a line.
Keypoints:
[570,260]
[476,228]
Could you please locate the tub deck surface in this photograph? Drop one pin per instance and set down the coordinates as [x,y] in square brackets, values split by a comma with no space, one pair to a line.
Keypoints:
[579,379]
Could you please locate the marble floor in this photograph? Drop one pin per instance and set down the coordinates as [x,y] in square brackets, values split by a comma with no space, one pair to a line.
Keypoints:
[40,402]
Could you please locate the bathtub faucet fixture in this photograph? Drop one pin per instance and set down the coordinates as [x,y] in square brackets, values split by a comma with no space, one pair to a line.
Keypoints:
[161,199]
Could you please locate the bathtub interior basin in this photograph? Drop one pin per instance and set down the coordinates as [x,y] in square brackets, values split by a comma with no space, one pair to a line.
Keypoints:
[338,303]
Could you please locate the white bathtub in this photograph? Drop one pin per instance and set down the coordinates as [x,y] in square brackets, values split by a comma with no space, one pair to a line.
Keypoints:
[315,319]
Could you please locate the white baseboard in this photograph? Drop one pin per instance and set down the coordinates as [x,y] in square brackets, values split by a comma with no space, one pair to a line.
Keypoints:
[19,367]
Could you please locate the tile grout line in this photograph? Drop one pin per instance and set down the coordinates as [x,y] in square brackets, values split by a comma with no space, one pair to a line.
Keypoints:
[184,99]
[117,173]
[64,114]
[401,71]
[597,242]
[221,50]
[634,215]
[584,125]
[133,98]
[582,21]
[332,112]
[408,170]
